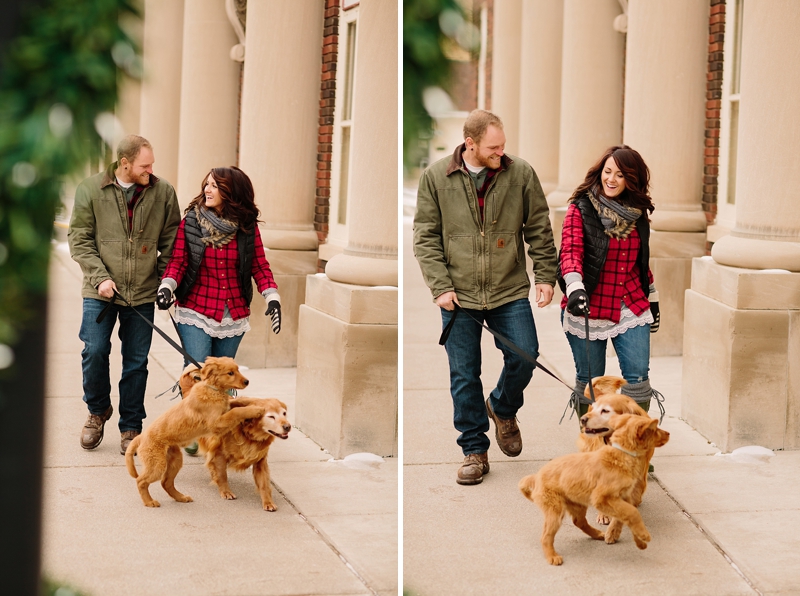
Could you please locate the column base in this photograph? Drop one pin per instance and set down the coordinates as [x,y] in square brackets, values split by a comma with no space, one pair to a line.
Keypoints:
[741,366]
[347,392]
[261,348]
[362,270]
[754,253]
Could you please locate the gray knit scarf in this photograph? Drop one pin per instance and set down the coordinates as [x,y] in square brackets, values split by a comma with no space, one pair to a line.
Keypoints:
[618,219]
[216,231]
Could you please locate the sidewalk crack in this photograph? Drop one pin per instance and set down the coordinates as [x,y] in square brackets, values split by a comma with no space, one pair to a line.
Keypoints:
[708,536]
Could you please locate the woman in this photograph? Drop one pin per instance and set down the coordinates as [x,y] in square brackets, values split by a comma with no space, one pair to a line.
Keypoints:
[217,250]
[604,269]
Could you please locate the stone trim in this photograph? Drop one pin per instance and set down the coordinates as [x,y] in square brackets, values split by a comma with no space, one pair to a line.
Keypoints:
[327,101]
[716,39]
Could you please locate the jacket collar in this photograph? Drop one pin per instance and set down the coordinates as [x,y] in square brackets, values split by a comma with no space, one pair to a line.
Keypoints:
[110,178]
[457,161]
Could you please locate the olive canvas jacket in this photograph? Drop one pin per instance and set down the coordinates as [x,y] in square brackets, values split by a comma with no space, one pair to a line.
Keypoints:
[101,242]
[482,261]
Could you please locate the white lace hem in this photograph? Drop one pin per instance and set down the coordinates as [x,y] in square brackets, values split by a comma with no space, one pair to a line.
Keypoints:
[603,328]
[228,327]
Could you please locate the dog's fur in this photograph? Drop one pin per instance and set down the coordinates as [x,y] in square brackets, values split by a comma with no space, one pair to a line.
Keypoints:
[604,479]
[204,410]
[247,444]
[607,403]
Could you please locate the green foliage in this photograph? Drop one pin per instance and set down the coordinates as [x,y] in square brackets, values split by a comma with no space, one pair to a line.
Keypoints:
[58,75]
[424,65]
[53,588]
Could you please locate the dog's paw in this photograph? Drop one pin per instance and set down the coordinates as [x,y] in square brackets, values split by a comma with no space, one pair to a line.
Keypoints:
[228,495]
[603,519]
[153,504]
[555,560]
[185,499]
[642,539]
[270,507]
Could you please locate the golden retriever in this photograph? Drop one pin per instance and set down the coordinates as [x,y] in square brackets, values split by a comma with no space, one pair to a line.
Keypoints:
[203,411]
[247,444]
[604,479]
[607,403]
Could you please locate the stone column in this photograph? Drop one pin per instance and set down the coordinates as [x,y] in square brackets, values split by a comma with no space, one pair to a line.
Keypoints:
[161,83]
[506,44]
[209,108]
[591,95]
[347,394]
[741,376]
[665,78]
[278,150]
[540,88]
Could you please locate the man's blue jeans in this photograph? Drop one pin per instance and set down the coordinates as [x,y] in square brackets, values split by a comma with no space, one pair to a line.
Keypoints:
[633,351]
[201,345]
[514,320]
[135,336]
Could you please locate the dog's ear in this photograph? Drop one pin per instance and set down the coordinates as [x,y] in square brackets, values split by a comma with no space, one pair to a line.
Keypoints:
[210,368]
[651,425]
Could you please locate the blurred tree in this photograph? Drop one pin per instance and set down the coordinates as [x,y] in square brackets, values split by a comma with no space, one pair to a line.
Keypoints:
[58,87]
[425,66]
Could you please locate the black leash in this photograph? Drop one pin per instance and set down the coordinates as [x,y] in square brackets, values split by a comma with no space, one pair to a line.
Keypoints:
[169,340]
[502,339]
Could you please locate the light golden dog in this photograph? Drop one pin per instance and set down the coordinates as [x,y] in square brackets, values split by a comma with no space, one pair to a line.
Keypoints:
[608,403]
[247,444]
[204,410]
[605,479]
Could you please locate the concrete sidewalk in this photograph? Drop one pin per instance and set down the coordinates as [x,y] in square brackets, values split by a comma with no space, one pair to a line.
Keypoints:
[335,531]
[719,527]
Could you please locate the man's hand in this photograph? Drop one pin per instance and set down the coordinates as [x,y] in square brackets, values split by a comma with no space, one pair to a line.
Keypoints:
[274,312]
[544,294]
[107,288]
[447,300]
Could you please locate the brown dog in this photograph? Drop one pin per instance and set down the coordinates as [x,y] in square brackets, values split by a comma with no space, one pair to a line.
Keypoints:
[604,479]
[247,444]
[608,403]
[204,410]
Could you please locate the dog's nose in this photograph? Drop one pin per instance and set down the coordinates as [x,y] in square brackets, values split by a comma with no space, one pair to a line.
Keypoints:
[584,418]
[287,428]
[246,382]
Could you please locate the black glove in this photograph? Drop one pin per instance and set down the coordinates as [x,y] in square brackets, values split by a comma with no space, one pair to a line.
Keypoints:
[274,312]
[164,299]
[656,317]
[578,303]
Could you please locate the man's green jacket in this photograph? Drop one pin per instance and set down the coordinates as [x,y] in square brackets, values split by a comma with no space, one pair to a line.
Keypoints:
[106,247]
[483,261]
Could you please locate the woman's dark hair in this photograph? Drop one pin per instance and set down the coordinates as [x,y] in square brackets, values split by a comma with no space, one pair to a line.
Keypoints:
[635,172]
[238,196]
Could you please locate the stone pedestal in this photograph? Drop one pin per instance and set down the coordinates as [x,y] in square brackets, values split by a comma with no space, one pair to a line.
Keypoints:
[261,348]
[741,356]
[347,367]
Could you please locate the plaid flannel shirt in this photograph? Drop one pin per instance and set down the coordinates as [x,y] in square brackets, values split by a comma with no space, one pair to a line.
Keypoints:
[217,283]
[619,279]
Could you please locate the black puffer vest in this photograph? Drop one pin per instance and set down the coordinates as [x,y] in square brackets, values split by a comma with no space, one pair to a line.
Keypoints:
[245,242]
[595,248]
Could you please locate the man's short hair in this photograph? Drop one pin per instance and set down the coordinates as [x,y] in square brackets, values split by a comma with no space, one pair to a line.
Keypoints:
[130,146]
[477,122]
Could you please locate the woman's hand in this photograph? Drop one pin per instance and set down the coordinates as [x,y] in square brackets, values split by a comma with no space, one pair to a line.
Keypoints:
[578,303]
[274,312]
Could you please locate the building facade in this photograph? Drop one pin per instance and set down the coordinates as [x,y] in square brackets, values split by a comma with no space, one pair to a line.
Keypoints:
[700,89]
[302,96]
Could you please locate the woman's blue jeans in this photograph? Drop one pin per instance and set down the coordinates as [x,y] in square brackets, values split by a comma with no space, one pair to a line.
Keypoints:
[514,320]
[135,336]
[633,351]
[201,345]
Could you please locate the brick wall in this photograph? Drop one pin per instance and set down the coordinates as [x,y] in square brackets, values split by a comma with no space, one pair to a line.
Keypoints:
[327,101]
[716,38]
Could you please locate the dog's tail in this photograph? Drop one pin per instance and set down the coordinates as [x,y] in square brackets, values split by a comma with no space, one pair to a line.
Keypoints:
[129,456]
[526,485]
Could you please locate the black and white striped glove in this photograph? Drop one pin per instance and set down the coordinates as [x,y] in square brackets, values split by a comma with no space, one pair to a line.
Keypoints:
[655,312]
[274,312]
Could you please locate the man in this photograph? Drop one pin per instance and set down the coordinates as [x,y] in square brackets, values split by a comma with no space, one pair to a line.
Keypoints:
[473,211]
[123,225]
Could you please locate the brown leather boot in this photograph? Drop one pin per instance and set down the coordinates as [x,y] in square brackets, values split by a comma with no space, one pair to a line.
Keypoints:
[126,437]
[92,432]
[473,469]
[506,432]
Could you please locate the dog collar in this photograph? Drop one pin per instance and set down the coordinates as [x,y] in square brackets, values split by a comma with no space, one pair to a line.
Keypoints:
[631,453]
[212,387]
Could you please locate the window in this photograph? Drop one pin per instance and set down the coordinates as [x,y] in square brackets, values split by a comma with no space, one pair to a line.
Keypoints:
[343,127]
